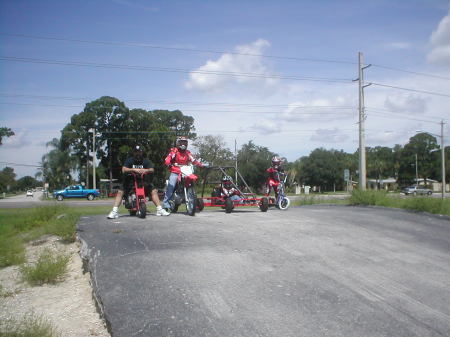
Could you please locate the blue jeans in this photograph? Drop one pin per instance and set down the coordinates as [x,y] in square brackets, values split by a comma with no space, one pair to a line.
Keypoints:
[173,178]
[236,198]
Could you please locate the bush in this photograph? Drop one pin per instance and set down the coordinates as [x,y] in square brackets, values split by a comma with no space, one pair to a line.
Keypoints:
[11,251]
[370,197]
[31,325]
[49,268]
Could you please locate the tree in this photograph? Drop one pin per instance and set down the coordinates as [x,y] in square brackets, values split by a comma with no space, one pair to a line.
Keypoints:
[26,183]
[118,129]
[7,179]
[421,145]
[5,132]
[324,168]
[56,165]
[211,149]
[253,161]
[380,162]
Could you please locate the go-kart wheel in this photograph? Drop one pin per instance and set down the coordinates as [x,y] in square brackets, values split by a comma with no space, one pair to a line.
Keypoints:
[264,204]
[284,203]
[228,205]
[142,210]
[200,204]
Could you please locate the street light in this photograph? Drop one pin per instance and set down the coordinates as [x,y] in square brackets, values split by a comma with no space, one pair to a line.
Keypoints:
[442,154]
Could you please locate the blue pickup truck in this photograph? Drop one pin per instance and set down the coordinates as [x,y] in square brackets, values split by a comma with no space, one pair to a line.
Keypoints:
[76,191]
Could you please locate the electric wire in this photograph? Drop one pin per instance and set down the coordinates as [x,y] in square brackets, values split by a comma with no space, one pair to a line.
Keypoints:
[409,89]
[173,70]
[146,45]
[410,72]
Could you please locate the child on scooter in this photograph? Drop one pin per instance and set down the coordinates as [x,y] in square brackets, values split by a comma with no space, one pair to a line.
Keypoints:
[273,180]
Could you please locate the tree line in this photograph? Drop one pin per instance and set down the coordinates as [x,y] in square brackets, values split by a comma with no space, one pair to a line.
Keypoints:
[117,129]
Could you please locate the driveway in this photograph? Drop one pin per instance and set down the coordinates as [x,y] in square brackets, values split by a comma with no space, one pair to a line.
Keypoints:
[308,271]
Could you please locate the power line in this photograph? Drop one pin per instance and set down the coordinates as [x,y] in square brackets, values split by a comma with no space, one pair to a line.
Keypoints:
[15,164]
[146,45]
[297,106]
[219,111]
[163,69]
[408,89]
[388,115]
[410,72]
[408,114]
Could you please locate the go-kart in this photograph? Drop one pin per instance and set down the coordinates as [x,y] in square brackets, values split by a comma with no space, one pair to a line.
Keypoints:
[134,197]
[247,198]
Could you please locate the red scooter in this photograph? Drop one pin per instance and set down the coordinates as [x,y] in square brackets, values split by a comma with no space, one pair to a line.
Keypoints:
[135,200]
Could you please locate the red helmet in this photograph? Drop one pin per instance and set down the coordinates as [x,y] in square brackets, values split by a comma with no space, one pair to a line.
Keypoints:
[182,143]
[276,161]
[227,182]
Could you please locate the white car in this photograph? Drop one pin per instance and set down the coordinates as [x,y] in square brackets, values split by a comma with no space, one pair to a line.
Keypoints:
[29,193]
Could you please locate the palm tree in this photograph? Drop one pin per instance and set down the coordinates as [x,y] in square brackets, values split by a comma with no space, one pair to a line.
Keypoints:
[56,165]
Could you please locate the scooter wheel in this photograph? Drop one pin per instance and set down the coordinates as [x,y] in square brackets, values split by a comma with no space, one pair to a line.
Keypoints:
[142,210]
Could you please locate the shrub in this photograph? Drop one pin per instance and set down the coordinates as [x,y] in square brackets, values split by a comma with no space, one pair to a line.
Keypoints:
[11,251]
[30,325]
[49,268]
[370,197]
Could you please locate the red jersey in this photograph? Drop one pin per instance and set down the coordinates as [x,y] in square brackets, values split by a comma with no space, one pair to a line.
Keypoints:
[176,156]
[273,173]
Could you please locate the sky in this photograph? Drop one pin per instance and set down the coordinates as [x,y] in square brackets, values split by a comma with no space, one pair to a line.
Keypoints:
[279,73]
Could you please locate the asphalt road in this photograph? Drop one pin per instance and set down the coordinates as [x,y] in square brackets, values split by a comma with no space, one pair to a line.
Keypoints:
[308,271]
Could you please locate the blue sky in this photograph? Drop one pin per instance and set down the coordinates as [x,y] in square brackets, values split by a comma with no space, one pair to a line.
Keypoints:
[293,117]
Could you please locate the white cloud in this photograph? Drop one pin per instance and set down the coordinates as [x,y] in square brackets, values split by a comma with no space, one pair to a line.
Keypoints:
[398,45]
[412,104]
[232,63]
[266,126]
[440,43]
[318,110]
[19,140]
[329,136]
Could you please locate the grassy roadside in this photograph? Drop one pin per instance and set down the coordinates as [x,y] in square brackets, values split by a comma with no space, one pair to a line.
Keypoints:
[381,198]
[420,204]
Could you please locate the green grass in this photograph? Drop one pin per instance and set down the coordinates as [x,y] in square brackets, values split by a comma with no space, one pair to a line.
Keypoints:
[420,204]
[30,325]
[32,223]
[50,268]
[316,199]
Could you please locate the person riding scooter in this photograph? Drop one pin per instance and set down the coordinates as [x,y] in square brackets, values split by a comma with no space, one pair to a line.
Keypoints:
[140,165]
[273,179]
[177,156]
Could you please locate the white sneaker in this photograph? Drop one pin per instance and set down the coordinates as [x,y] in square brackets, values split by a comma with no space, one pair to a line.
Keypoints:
[113,215]
[162,212]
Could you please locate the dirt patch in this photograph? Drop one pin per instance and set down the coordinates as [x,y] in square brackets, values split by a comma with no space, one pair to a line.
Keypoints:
[68,305]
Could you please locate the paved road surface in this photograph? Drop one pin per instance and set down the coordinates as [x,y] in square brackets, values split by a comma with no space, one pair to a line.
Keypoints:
[308,271]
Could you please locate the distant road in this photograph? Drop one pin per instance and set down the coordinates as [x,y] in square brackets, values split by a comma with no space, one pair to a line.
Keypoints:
[22,201]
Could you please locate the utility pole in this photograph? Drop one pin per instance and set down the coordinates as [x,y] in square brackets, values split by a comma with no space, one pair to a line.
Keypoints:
[94,183]
[235,162]
[417,175]
[362,117]
[443,159]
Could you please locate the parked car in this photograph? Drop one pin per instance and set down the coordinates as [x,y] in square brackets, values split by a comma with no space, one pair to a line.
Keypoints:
[414,190]
[76,191]
[29,193]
